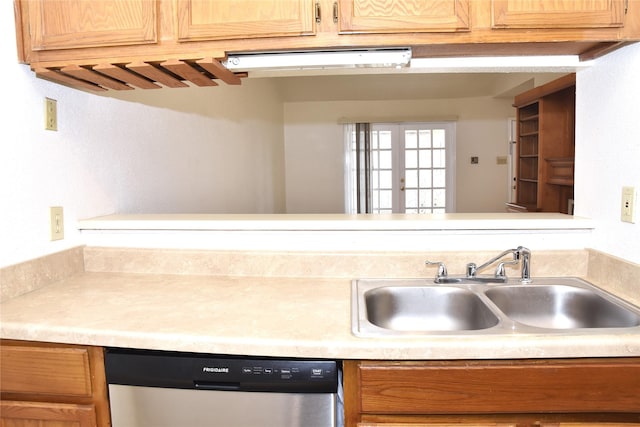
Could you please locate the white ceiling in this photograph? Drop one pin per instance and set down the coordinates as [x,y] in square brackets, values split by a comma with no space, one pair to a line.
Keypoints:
[423,78]
[408,86]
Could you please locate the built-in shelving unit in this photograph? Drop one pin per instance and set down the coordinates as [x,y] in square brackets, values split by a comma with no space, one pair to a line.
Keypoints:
[545,147]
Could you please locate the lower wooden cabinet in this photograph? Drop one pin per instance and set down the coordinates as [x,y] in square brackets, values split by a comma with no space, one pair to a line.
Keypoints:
[485,423]
[37,414]
[554,392]
[52,385]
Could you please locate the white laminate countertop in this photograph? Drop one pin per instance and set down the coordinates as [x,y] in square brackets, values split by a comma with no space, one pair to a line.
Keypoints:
[286,317]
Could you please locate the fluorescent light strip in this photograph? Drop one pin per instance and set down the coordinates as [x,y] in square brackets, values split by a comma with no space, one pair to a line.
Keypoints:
[383,58]
[498,63]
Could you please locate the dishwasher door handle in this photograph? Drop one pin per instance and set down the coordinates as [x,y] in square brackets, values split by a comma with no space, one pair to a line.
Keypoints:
[212,385]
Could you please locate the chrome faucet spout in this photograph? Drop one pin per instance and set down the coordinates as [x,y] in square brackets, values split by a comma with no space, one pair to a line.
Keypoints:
[524,255]
[473,269]
[442,269]
[520,255]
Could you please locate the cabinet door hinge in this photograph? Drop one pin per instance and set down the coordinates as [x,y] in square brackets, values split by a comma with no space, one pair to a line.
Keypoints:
[317,7]
[626,6]
[335,12]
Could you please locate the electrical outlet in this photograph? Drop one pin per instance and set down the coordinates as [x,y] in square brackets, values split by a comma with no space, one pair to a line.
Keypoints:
[56,220]
[50,114]
[627,209]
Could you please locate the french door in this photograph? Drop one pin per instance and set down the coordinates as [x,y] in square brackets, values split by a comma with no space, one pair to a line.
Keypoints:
[412,168]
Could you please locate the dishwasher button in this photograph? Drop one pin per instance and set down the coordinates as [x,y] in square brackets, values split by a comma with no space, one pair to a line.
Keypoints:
[285,373]
[246,370]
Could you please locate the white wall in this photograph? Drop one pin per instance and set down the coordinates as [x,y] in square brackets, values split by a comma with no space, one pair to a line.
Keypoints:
[608,148]
[116,156]
[200,150]
[315,160]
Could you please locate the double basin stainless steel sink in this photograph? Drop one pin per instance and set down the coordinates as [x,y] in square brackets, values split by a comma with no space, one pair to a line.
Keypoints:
[401,307]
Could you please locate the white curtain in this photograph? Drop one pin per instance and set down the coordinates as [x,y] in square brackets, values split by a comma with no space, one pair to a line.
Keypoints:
[358,167]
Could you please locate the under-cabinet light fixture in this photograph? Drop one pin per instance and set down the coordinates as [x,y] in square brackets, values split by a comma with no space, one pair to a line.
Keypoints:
[320,60]
[539,63]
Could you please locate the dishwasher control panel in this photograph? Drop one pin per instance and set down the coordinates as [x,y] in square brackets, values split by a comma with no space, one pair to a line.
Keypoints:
[217,372]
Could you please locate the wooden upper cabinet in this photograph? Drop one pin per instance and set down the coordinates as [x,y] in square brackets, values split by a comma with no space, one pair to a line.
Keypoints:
[558,13]
[86,43]
[67,24]
[242,19]
[402,16]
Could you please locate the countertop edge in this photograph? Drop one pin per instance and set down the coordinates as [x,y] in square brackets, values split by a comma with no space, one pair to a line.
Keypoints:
[432,348]
[336,222]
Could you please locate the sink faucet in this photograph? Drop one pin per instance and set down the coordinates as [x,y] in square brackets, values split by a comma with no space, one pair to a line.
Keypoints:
[521,255]
[442,275]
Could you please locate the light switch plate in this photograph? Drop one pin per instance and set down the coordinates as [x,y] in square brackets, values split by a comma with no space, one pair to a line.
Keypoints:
[50,114]
[56,220]
[627,208]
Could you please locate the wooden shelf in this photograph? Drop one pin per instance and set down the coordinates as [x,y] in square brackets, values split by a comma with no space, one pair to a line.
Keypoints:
[545,147]
[534,133]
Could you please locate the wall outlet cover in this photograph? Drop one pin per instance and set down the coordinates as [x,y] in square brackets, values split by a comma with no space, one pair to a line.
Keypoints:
[50,114]
[627,208]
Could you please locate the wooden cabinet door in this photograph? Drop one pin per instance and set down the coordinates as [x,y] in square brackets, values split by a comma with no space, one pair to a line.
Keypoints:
[65,24]
[63,371]
[236,19]
[456,423]
[52,385]
[401,16]
[557,13]
[590,424]
[33,414]
[551,392]
[461,422]
[531,386]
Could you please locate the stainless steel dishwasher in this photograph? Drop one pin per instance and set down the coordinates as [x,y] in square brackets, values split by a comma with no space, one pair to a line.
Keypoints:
[171,389]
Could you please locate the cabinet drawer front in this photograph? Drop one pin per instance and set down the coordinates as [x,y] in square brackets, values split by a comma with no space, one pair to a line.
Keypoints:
[26,414]
[45,370]
[472,387]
